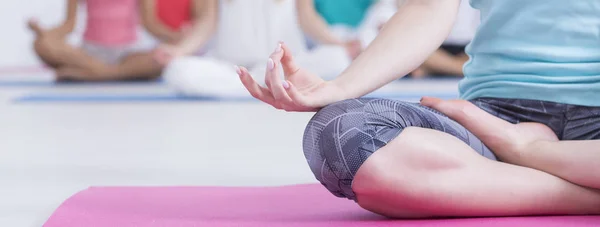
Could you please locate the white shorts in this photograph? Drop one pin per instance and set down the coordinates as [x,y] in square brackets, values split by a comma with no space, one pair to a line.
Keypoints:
[112,54]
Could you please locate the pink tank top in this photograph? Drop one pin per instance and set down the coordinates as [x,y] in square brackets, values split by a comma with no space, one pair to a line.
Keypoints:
[111,22]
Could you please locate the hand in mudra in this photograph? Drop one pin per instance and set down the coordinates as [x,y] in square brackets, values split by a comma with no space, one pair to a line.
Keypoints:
[299,90]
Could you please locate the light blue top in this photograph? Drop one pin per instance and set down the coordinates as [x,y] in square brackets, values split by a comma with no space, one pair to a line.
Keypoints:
[535,49]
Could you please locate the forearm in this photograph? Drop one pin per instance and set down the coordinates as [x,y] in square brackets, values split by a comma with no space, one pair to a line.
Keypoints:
[153,24]
[574,161]
[70,19]
[314,25]
[196,38]
[162,32]
[409,38]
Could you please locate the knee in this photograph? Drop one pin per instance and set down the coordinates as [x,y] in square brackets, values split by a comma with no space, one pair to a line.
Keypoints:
[42,45]
[46,50]
[342,136]
[325,152]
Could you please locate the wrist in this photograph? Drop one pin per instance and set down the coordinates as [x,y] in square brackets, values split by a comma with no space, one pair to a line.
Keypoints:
[343,89]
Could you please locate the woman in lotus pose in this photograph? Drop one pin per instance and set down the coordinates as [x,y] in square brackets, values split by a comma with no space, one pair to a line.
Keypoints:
[110,49]
[523,141]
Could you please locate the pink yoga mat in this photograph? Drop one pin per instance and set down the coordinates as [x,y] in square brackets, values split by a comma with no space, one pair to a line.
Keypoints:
[302,205]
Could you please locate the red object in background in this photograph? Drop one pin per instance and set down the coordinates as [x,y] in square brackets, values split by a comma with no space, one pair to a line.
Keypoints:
[174,13]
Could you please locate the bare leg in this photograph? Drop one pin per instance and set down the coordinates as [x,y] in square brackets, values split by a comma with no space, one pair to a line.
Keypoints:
[139,66]
[442,62]
[463,57]
[575,161]
[57,53]
[75,64]
[412,177]
[528,144]
[419,73]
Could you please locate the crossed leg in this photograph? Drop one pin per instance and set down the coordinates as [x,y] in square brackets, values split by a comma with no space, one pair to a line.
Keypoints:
[136,66]
[75,64]
[528,144]
[426,171]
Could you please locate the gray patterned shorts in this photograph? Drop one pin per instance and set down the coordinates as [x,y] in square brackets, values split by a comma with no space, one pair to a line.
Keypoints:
[341,136]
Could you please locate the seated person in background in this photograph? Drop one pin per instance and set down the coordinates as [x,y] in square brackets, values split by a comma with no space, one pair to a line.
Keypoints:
[358,20]
[450,58]
[167,20]
[109,50]
[243,32]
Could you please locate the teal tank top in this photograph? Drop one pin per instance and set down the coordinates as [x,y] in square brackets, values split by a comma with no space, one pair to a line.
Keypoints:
[535,49]
[343,12]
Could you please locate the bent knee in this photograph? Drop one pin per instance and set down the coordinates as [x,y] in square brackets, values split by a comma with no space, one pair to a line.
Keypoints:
[342,136]
[47,50]
[44,45]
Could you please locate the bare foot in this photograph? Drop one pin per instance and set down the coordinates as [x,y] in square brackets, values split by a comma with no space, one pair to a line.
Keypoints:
[508,141]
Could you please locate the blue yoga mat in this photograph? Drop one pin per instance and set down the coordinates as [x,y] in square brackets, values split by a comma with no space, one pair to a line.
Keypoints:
[27,83]
[92,98]
[49,83]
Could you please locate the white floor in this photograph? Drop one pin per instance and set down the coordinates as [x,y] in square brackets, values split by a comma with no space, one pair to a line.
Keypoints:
[50,151]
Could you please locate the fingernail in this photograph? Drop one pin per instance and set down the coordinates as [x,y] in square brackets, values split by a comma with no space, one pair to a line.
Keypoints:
[286,85]
[270,64]
[278,49]
[238,70]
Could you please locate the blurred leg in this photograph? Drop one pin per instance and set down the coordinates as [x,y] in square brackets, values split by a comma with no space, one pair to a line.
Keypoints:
[57,53]
[442,62]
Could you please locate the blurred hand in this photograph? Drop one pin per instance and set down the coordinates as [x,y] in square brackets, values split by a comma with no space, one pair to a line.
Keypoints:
[57,33]
[301,91]
[165,53]
[183,32]
[354,48]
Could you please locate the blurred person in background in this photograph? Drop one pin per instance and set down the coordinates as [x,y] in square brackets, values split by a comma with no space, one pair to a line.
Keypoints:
[109,50]
[242,32]
[168,20]
[357,20]
[361,20]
